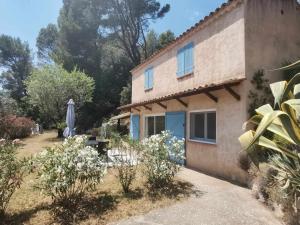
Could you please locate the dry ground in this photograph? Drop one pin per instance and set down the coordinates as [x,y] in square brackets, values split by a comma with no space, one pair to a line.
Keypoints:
[106,204]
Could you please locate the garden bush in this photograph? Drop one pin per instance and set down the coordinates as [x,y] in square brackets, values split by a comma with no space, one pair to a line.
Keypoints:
[286,188]
[127,161]
[161,153]
[11,173]
[12,127]
[66,171]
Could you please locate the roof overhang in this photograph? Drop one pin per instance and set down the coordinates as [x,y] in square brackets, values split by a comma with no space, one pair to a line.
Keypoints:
[207,89]
[121,116]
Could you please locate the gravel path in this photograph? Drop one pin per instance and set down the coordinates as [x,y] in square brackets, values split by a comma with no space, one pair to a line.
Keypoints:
[221,203]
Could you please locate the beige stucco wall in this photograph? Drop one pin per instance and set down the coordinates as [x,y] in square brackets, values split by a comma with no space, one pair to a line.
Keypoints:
[272,36]
[218,56]
[220,159]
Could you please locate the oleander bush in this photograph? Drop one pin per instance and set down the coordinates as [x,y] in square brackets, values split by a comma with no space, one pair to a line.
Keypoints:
[126,163]
[11,173]
[67,171]
[161,155]
[12,127]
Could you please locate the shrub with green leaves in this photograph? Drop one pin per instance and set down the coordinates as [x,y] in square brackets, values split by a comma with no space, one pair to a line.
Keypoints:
[11,173]
[66,171]
[126,162]
[160,154]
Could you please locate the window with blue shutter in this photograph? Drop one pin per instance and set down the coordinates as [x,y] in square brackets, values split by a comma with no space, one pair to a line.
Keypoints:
[148,78]
[180,62]
[185,60]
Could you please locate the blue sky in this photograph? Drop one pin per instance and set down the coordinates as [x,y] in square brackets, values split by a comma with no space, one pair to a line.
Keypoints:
[24,18]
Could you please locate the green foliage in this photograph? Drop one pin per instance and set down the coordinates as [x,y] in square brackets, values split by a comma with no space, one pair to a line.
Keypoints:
[288,175]
[160,154]
[277,132]
[16,64]
[165,38]
[126,95]
[127,21]
[282,122]
[50,87]
[86,37]
[46,42]
[11,173]
[126,162]
[61,125]
[67,171]
[289,70]
[151,44]
[260,93]
[80,44]
[8,105]
[154,42]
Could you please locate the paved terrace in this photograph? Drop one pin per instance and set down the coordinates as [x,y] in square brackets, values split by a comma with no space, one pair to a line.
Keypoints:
[221,203]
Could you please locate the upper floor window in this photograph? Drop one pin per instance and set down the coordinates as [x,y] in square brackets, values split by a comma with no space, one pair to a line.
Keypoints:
[185,60]
[149,78]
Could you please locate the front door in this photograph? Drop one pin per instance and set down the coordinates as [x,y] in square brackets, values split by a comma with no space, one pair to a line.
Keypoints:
[175,123]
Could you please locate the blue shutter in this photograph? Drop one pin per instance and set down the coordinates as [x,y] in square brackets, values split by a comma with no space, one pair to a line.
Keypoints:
[175,123]
[189,58]
[135,127]
[180,62]
[146,80]
[150,78]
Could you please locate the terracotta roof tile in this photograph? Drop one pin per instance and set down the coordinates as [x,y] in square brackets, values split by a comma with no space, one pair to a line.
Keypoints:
[186,93]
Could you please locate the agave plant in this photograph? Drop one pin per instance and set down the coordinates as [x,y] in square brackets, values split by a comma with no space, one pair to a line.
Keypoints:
[281,120]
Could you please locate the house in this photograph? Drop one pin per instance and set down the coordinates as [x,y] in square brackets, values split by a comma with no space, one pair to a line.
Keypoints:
[197,87]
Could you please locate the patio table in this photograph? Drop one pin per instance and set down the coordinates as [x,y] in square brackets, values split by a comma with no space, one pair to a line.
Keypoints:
[99,145]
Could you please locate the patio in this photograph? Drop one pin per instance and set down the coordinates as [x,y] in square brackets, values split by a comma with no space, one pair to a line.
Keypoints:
[220,203]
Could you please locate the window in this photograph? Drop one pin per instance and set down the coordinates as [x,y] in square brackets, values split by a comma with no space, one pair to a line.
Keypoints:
[185,60]
[149,78]
[203,126]
[154,125]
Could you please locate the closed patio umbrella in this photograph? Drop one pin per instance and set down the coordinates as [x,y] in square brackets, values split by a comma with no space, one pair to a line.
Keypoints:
[70,120]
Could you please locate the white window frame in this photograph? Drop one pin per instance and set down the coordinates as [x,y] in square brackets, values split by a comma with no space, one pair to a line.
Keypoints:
[145,126]
[189,126]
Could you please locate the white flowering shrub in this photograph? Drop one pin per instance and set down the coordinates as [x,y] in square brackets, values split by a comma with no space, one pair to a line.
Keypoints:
[126,162]
[66,171]
[161,153]
[11,172]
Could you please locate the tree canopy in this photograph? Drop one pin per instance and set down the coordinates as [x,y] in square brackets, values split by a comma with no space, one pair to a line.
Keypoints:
[92,36]
[50,87]
[128,20]
[46,42]
[16,63]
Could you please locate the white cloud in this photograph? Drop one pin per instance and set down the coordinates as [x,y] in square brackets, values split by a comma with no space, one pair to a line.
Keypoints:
[195,15]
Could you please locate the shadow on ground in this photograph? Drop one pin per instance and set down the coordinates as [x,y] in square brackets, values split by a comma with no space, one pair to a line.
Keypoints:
[74,213]
[54,139]
[24,216]
[175,190]
[66,213]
